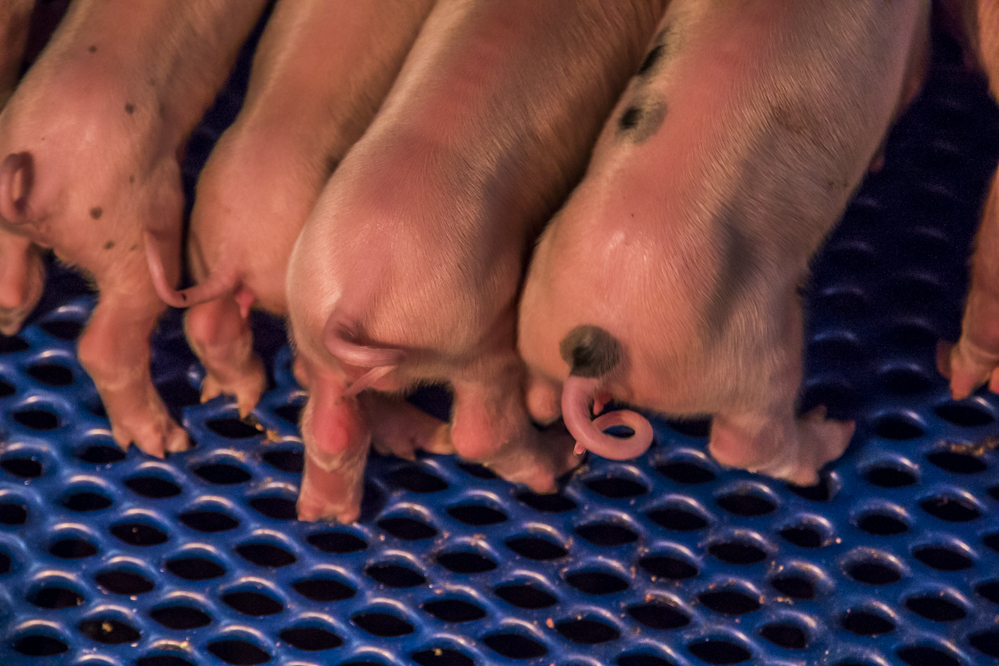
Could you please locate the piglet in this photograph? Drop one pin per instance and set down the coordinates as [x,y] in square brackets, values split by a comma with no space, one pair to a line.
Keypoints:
[669,280]
[319,75]
[89,159]
[974,360]
[408,269]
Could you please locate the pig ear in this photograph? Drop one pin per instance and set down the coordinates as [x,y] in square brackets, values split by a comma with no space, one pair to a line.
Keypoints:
[217,284]
[577,396]
[17,177]
[381,361]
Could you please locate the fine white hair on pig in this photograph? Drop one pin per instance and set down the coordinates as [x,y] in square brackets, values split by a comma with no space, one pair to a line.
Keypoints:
[732,153]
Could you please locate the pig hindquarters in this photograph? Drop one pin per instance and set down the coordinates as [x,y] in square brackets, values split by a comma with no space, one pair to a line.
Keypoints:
[408,269]
[974,360]
[319,74]
[668,281]
[89,149]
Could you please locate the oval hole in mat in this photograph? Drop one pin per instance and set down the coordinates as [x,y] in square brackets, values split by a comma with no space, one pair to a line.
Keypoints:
[5,563]
[66,330]
[639,659]
[395,575]
[957,463]
[407,528]
[275,508]
[951,509]
[291,461]
[586,631]
[238,653]
[416,480]
[989,590]
[323,590]
[310,639]
[796,587]
[37,419]
[729,601]
[101,454]
[882,524]
[905,381]
[162,660]
[536,548]
[866,622]
[122,581]
[687,472]
[465,562]
[607,534]
[616,487]
[453,610]
[596,582]
[340,543]
[12,344]
[195,568]
[252,603]
[50,374]
[109,631]
[659,616]
[13,514]
[669,567]
[180,618]
[72,549]
[6,389]
[515,646]
[804,535]
[290,412]
[873,571]
[737,552]
[265,555]
[39,645]
[54,597]
[231,428]
[924,655]
[889,476]
[897,428]
[553,503]
[23,467]
[222,474]
[720,652]
[942,558]
[528,597]
[747,504]
[963,414]
[936,608]
[823,491]
[678,518]
[986,642]
[383,625]
[476,515]
[85,501]
[139,534]
[441,656]
[208,522]
[786,635]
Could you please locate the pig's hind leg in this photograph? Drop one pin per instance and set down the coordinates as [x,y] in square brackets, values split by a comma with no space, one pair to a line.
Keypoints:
[219,331]
[22,280]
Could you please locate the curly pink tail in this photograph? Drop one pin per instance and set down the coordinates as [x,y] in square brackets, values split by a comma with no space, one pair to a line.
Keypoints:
[216,285]
[577,396]
[380,361]
[17,177]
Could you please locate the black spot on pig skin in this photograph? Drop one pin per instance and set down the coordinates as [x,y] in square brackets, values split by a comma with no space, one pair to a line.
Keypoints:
[93,48]
[651,60]
[131,179]
[96,212]
[109,245]
[629,119]
[590,351]
[129,108]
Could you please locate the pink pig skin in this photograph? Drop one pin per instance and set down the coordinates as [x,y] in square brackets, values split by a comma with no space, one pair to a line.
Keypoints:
[408,269]
[319,75]
[15,21]
[668,280]
[89,150]
[974,360]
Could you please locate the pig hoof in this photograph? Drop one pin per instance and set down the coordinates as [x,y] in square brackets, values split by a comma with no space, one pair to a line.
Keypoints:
[17,176]
[967,367]
[821,441]
[247,388]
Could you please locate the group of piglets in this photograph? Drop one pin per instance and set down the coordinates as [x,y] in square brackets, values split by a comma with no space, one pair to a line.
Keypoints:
[399,186]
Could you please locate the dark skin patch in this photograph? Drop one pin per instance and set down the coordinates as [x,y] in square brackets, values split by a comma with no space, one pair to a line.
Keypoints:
[131,178]
[93,48]
[96,212]
[641,119]
[590,351]
[133,248]
[651,60]
[737,267]
[109,245]
[129,108]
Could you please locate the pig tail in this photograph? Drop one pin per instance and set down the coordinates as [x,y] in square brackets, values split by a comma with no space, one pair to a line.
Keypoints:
[339,342]
[577,398]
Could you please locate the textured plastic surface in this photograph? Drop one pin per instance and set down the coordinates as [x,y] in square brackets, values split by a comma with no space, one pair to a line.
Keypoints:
[112,558]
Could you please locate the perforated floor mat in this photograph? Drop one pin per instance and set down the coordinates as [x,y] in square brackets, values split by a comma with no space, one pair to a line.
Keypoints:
[113,558]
